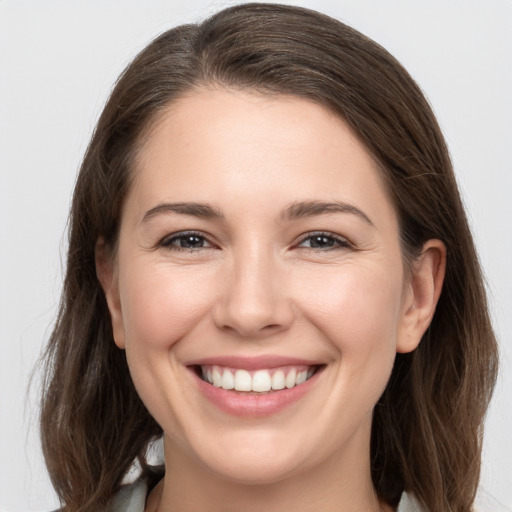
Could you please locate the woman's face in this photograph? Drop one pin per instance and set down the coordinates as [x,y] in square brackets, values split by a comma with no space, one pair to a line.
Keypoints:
[258,248]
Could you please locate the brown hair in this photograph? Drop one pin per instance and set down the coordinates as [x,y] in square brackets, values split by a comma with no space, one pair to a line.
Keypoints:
[427,426]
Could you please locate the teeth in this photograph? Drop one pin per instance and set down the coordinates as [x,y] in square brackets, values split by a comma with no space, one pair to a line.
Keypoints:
[217,378]
[291,378]
[301,377]
[278,380]
[260,381]
[243,381]
[228,381]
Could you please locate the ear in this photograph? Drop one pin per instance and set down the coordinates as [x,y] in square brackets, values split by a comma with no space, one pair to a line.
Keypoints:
[107,276]
[421,295]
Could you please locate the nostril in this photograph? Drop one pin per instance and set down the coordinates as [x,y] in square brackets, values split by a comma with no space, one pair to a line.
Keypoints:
[247,331]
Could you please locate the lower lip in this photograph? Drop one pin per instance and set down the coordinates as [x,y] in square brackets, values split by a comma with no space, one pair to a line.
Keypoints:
[239,403]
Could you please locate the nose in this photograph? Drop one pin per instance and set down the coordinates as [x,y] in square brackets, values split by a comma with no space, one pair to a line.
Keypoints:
[254,301]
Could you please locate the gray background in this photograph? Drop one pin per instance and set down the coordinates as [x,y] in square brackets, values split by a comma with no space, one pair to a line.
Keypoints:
[58,60]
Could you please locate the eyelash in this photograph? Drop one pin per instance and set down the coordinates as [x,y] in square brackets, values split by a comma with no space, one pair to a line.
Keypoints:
[167,242]
[337,241]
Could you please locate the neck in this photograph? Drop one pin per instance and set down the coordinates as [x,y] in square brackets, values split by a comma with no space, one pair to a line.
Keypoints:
[189,486]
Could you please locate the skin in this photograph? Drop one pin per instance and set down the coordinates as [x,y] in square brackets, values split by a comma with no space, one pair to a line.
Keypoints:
[255,285]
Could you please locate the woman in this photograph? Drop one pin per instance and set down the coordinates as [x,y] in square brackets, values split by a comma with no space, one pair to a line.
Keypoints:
[270,265]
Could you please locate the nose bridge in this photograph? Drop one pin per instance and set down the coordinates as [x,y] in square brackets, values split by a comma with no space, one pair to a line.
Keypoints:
[254,301]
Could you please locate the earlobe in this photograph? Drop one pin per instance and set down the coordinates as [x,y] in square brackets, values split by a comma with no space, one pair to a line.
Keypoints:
[106,273]
[426,282]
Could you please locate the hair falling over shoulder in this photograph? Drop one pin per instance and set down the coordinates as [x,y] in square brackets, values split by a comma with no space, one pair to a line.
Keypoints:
[427,426]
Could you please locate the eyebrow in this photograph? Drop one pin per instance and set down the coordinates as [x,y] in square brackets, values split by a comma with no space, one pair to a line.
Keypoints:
[202,210]
[311,208]
[296,210]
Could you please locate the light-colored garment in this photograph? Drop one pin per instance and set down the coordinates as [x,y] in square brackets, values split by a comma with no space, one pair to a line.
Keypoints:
[132,498]
[408,504]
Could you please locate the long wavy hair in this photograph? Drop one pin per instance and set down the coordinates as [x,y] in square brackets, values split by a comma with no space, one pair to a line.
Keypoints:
[427,426]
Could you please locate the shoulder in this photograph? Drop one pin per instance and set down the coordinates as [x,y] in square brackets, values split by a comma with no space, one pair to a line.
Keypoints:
[483,504]
[408,504]
[130,498]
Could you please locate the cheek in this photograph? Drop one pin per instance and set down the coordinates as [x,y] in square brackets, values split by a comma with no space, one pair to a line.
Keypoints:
[356,307]
[161,304]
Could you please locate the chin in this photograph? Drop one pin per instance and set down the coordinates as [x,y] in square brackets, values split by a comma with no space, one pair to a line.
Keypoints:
[262,472]
[254,458]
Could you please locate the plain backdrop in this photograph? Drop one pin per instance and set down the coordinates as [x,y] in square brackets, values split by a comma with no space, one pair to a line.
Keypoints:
[58,61]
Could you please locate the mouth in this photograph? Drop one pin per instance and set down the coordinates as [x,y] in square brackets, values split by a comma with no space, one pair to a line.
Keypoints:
[255,386]
[256,382]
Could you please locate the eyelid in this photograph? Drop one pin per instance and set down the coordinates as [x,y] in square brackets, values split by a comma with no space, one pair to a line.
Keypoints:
[343,242]
[167,239]
[166,242]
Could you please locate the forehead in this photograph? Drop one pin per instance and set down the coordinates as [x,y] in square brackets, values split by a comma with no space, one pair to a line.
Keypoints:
[249,117]
[220,144]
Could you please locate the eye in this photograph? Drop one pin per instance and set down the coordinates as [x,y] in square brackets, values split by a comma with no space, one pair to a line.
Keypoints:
[186,241]
[323,241]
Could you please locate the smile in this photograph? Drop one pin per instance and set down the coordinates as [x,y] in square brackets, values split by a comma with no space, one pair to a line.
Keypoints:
[259,381]
[254,386]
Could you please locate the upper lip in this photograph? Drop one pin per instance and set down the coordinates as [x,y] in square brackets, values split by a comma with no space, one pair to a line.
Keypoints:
[251,362]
